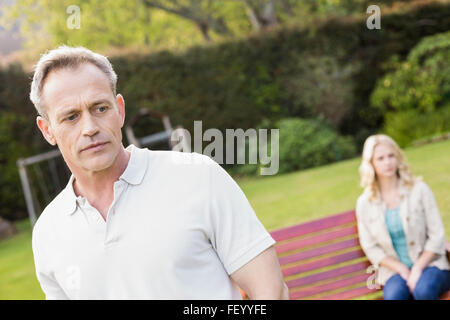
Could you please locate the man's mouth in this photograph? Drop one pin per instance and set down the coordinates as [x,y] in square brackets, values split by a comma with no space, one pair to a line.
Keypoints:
[94,146]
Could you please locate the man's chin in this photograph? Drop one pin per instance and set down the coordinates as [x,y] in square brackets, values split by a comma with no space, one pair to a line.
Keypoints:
[98,164]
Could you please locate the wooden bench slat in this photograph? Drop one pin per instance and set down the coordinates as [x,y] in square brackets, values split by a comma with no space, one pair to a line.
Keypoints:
[330,274]
[330,286]
[325,262]
[303,243]
[313,226]
[319,251]
[350,294]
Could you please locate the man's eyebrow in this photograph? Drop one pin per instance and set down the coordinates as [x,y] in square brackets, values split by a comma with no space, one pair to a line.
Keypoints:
[66,112]
[101,101]
[74,109]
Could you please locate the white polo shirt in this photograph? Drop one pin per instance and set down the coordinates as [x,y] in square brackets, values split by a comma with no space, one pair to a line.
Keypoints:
[177,228]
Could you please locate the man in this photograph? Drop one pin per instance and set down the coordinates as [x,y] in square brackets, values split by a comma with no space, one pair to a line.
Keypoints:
[134,223]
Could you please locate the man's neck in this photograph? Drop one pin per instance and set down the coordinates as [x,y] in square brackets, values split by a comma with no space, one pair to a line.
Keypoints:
[99,184]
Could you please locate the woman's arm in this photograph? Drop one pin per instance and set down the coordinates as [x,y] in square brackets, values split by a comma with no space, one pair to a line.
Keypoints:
[368,243]
[396,266]
[425,258]
[435,230]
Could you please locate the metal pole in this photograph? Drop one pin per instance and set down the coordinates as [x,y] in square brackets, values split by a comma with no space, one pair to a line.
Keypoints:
[131,137]
[54,174]
[27,191]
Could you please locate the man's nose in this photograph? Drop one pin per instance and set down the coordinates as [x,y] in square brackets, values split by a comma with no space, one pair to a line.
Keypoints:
[90,126]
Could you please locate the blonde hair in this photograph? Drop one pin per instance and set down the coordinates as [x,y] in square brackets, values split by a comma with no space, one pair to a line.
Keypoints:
[369,179]
[66,57]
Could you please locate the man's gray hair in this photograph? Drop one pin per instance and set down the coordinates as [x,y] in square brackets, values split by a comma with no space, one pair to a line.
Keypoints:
[66,57]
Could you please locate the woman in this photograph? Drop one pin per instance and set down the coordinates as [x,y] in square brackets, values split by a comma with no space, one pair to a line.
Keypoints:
[399,226]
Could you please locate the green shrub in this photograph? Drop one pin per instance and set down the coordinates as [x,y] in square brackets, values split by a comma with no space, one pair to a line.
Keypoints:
[407,126]
[421,82]
[310,143]
[11,196]
[415,95]
[319,85]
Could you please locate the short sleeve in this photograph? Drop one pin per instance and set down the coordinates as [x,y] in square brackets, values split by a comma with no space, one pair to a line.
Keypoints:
[49,285]
[236,233]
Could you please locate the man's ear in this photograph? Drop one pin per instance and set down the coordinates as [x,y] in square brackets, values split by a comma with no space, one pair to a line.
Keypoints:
[121,106]
[44,125]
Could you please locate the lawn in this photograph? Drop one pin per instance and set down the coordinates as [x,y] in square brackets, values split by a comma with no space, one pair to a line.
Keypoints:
[278,201]
[293,198]
[17,277]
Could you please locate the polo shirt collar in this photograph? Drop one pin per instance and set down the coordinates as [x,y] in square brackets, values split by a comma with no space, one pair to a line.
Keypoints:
[137,166]
[134,174]
[68,199]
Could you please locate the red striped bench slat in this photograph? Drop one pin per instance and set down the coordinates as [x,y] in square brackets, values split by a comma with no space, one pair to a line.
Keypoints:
[330,274]
[330,286]
[313,226]
[350,294]
[323,262]
[302,243]
[319,251]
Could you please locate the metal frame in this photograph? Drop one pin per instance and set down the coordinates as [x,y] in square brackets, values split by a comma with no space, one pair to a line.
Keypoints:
[22,164]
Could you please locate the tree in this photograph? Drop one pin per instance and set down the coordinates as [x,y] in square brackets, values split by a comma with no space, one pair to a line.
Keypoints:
[203,13]
[119,23]
[261,13]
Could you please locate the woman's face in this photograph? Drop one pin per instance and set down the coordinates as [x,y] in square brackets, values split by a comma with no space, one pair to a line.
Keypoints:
[384,161]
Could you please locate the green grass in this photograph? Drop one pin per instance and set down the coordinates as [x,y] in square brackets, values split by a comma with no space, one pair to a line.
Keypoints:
[17,275]
[304,195]
[278,201]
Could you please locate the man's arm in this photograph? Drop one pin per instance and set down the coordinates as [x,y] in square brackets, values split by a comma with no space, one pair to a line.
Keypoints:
[261,277]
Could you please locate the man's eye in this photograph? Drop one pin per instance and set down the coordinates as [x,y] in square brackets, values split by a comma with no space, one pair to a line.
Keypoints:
[72,117]
[102,108]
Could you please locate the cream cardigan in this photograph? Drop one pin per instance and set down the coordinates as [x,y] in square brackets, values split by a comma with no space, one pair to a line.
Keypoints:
[422,225]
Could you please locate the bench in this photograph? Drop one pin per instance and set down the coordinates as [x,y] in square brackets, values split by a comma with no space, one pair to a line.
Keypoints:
[322,259]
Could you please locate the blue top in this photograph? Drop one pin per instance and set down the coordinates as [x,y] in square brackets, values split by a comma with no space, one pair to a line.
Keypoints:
[395,228]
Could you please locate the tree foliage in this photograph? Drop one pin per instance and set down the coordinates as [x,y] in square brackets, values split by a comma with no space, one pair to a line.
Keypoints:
[415,95]
[421,82]
[169,24]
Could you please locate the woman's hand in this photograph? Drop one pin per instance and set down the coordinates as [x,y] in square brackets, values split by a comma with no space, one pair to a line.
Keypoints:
[414,277]
[396,266]
[404,271]
[416,271]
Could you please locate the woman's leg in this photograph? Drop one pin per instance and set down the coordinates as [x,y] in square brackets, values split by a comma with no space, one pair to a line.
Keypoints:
[431,284]
[396,289]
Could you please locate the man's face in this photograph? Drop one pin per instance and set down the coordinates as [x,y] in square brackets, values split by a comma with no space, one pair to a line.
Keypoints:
[84,117]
